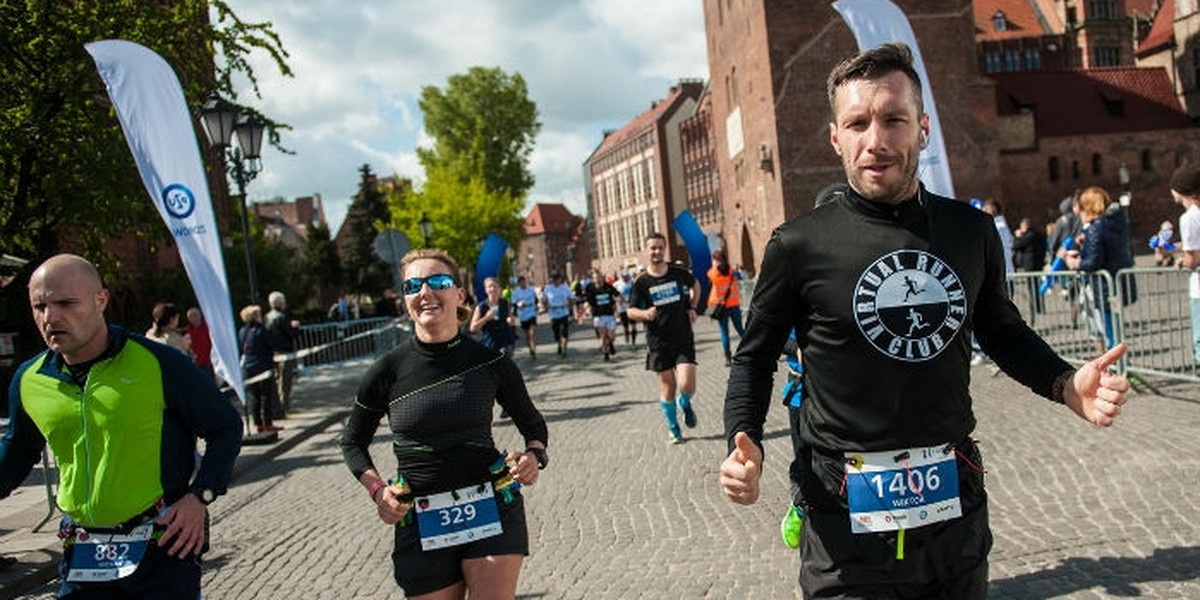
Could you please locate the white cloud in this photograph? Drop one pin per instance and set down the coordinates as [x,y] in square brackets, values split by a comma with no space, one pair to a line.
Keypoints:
[360,65]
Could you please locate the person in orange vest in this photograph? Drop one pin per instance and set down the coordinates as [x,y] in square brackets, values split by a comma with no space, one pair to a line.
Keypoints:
[724,302]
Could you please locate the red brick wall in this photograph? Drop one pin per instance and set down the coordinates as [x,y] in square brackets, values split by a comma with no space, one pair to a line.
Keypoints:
[782,53]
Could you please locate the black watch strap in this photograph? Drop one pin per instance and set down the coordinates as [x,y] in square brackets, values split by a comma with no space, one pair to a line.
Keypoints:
[540,453]
[205,495]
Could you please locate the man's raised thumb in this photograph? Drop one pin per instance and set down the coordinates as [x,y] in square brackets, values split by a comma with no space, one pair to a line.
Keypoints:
[744,446]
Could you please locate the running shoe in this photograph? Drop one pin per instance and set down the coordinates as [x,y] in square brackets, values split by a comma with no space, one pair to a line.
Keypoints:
[676,435]
[791,526]
[689,416]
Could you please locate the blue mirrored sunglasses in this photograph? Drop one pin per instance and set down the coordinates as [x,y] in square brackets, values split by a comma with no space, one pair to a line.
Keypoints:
[440,281]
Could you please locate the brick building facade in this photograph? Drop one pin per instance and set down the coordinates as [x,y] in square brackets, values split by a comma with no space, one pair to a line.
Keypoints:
[768,62]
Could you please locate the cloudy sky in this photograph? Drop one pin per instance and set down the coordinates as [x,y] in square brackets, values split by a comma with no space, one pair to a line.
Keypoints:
[359,67]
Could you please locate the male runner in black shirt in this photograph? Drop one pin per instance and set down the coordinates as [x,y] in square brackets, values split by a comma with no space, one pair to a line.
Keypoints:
[889,474]
[665,298]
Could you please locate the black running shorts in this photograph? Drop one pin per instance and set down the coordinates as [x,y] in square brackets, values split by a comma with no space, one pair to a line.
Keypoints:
[422,572]
[666,357]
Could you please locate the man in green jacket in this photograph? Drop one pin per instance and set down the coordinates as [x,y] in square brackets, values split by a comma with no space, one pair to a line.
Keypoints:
[122,415]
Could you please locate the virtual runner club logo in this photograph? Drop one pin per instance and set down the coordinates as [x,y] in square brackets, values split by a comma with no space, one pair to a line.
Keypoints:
[910,305]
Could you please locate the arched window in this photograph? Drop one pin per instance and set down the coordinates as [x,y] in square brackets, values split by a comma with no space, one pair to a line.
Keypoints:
[999,21]
[1052,167]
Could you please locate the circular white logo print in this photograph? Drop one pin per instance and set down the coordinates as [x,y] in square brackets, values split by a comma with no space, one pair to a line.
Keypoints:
[178,200]
[909,304]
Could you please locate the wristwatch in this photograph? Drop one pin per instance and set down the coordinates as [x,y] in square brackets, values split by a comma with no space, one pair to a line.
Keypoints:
[205,495]
[540,454]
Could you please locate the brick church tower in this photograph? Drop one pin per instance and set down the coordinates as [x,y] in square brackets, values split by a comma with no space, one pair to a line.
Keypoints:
[768,61]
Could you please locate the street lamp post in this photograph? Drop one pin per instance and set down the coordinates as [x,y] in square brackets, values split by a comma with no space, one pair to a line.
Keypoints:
[426,228]
[1126,192]
[221,121]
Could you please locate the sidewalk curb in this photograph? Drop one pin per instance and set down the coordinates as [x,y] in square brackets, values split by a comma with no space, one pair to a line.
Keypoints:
[250,463]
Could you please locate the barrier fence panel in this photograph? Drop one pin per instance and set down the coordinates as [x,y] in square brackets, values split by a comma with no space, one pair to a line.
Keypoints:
[325,343]
[1158,325]
[1066,312]
[1147,307]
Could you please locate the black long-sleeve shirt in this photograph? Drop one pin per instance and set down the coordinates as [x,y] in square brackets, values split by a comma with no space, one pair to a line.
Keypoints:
[439,400]
[884,299]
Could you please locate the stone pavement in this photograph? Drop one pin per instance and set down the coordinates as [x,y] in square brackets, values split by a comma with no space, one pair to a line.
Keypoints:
[1078,512]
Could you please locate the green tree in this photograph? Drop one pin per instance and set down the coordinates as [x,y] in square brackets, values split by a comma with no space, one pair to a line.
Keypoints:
[62,153]
[483,125]
[364,272]
[322,273]
[461,213]
[67,180]
[477,173]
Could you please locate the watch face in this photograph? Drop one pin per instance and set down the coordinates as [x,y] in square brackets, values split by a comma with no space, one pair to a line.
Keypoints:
[207,496]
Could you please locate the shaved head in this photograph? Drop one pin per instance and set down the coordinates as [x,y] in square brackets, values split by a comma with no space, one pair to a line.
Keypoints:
[68,302]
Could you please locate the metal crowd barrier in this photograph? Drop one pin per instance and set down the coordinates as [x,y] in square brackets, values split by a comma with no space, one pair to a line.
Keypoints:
[1156,325]
[326,343]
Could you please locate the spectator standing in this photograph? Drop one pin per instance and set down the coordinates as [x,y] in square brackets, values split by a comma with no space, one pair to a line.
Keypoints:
[286,331]
[258,368]
[165,329]
[884,327]
[665,297]
[725,294]
[122,416]
[1066,227]
[1185,189]
[1029,256]
[1106,248]
[199,341]
[388,305]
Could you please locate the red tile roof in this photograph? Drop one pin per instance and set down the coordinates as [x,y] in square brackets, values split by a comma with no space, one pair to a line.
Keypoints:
[1020,15]
[1094,101]
[548,218]
[1162,32]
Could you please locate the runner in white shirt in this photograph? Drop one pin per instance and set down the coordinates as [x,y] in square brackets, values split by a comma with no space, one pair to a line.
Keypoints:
[560,302]
[524,298]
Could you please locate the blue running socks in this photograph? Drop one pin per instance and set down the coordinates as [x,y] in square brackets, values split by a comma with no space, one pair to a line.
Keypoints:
[689,415]
[668,409]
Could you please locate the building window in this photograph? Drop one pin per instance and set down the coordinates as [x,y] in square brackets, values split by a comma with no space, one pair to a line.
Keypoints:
[991,62]
[1106,56]
[1102,10]
[999,22]
[1074,170]
[1052,167]
[1146,166]
[1033,59]
[1012,60]
[1195,65]
[1097,165]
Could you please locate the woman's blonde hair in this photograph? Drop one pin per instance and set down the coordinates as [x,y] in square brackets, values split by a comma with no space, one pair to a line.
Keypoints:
[1093,201]
[251,313]
[462,313]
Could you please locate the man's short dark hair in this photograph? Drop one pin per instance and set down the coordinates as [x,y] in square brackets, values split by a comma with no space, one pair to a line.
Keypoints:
[1186,180]
[873,64]
[655,236]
